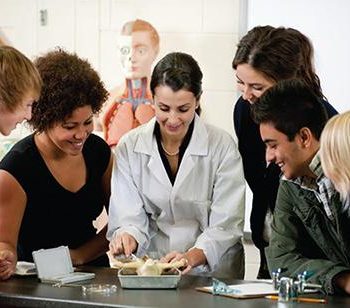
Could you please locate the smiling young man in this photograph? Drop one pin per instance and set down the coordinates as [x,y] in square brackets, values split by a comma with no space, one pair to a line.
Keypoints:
[265,56]
[309,232]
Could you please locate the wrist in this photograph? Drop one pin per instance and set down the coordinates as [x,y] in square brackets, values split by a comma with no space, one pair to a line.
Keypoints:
[195,257]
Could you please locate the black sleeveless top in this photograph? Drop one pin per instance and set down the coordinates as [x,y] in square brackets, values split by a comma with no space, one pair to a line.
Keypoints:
[53,215]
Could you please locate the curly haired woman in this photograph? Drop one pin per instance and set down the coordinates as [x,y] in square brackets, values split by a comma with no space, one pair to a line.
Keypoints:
[55,182]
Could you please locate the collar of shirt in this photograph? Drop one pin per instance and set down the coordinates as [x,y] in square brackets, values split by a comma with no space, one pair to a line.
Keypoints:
[182,149]
[321,186]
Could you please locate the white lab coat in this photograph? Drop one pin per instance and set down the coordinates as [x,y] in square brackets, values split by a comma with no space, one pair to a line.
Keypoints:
[203,209]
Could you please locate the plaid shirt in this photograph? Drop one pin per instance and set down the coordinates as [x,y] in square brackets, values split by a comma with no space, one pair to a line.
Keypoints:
[322,187]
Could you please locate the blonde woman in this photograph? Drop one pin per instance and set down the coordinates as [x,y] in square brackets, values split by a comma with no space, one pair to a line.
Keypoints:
[335,153]
[20,86]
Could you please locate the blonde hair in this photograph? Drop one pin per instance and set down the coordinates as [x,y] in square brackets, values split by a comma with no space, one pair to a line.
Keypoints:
[335,152]
[3,40]
[18,77]
[142,25]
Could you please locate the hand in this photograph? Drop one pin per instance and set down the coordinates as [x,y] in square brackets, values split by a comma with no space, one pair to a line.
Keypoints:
[342,280]
[8,262]
[123,244]
[177,256]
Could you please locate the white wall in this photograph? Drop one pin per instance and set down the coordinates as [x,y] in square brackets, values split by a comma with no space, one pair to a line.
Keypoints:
[207,29]
[327,24]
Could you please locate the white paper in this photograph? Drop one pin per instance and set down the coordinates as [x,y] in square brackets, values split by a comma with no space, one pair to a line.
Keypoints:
[250,289]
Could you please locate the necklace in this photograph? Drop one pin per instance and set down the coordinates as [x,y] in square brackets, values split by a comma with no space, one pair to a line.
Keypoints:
[168,153]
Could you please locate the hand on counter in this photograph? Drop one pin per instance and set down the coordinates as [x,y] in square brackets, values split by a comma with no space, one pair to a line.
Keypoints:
[7,264]
[193,257]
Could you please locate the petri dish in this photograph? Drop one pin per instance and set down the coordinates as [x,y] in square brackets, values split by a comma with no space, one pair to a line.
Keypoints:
[104,289]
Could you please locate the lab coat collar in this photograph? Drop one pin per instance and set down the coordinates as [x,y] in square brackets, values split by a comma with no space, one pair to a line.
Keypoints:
[199,145]
[146,142]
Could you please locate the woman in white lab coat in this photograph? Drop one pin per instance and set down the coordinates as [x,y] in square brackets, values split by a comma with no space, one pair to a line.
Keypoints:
[177,185]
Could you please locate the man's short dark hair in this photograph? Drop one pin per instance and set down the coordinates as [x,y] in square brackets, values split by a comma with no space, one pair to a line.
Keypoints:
[289,106]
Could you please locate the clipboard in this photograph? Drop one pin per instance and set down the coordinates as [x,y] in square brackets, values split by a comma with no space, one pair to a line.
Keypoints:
[245,290]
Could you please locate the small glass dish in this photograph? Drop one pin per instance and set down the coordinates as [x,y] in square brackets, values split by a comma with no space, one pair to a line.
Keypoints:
[104,289]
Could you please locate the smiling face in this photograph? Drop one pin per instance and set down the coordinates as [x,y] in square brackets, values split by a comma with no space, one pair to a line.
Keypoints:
[70,135]
[9,119]
[251,83]
[137,54]
[293,157]
[174,111]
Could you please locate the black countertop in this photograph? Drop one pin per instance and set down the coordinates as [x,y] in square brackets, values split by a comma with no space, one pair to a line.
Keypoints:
[29,292]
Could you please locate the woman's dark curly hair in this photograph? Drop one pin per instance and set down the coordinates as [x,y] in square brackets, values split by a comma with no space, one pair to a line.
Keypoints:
[68,83]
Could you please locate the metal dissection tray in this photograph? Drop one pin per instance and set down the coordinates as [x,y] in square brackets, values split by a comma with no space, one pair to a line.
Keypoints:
[130,280]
